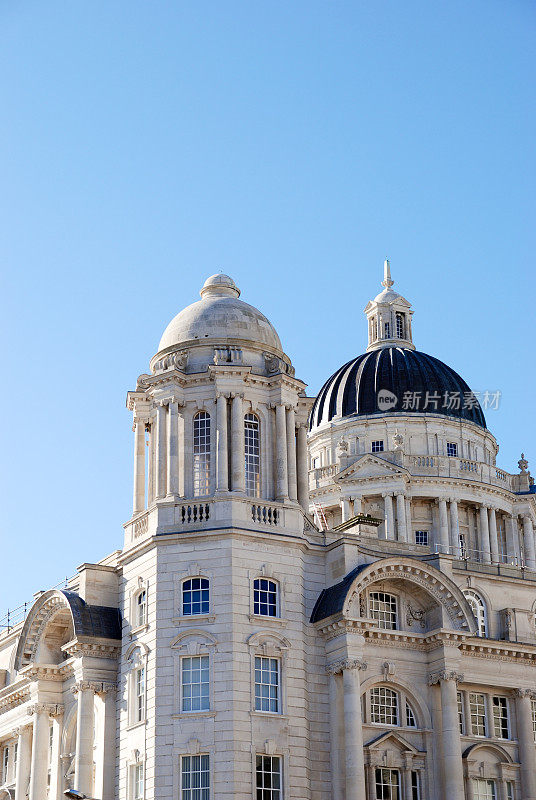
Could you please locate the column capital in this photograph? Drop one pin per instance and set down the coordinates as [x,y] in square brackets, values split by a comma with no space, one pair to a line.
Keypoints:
[400,493]
[387,494]
[225,395]
[527,518]
[235,395]
[52,709]
[85,686]
[445,675]
[337,667]
[531,693]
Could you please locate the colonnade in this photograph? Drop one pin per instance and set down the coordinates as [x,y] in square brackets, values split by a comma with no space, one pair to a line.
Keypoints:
[487,548]
[283,444]
[39,754]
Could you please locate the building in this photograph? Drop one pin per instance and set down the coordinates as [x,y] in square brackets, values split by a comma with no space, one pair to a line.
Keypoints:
[315,598]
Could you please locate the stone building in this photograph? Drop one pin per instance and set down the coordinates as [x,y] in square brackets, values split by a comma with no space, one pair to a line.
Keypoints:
[315,598]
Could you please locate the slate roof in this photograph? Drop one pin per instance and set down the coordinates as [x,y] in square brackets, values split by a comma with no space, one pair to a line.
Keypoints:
[331,601]
[353,389]
[101,622]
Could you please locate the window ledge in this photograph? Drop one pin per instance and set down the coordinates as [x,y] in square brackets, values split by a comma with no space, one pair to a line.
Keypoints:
[282,623]
[136,725]
[194,618]
[193,714]
[139,629]
[271,714]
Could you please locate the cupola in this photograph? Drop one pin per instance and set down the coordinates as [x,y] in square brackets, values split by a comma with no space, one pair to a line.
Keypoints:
[389,317]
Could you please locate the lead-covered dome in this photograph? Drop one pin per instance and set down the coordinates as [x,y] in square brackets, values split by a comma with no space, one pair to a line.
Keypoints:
[221,316]
[395,380]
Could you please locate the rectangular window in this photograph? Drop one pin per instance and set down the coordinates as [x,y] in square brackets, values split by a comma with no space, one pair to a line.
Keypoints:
[269,778]
[483,789]
[387,329]
[377,446]
[477,709]
[195,683]
[461,716]
[421,537]
[141,608]
[5,764]
[452,449]
[265,597]
[195,778]
[509,790]
[387,784]
[139,690]
[415,786]
[383,706]
[266,684]
[399,326]
[500,717]
[533,707]
[382,608]
[137,781]
[195,596]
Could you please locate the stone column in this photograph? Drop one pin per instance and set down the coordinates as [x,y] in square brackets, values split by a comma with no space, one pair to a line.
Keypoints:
[512,538]
[83,762]
[485,546]
[139,466]
[443,526]
[409,521]
[302,467]
[525,735]
[358,505]
[389,516]
[408,792]
[24,748]
[346,509]
[222,452]
[160,467]
[450,735]
[238,457]
[493,540]
[528,536]
[336,730]
[39,768]
[353,731]
[56,779]
[454,528]
[151,463]
[291,454]
[173,449]
[401,517]
[281,491]
[106,746]
[370,770]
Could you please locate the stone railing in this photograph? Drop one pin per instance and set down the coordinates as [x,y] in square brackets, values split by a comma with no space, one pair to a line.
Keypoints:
[266,515]
[194,512]
[322,475]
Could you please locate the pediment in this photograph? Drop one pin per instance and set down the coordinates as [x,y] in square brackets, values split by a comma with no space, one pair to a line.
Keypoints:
[369,465]
[394,739]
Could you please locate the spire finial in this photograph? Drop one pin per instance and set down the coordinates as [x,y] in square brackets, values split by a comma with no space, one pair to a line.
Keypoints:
[387,282]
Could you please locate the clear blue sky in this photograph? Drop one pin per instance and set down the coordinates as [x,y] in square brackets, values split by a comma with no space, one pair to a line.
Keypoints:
[147,145]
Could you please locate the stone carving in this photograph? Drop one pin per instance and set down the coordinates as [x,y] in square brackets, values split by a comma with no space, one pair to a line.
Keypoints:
[227,355]
[141,526]
[272,364]
[415,614]
[522,464]
[445,675]
[177,361]
[351,663]
[398,440]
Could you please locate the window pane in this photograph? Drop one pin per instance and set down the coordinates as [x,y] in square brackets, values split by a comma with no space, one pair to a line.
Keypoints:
[483,789]
[252,455]
[265,597]
[268,777]
[479,611]
[500,717]
[195,683]
[195,777]
[201,454]
[266,684]
[382,607]
[383,706]
[477,709]
[195,596]
[387,784]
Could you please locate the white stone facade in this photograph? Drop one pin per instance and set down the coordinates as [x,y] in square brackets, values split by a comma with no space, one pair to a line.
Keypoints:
[292,615]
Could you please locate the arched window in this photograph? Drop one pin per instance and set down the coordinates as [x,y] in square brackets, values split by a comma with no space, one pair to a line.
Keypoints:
[400,326]
[411,721]
[141,608]
[195,596]
[253,455]
[201,454]
[479,610]
[382,608]
[265,598]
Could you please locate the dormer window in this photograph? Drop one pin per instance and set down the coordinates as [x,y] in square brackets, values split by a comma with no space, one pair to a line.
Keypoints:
[400,332]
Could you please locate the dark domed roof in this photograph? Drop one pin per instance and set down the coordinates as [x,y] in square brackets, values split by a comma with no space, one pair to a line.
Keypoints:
[413,382]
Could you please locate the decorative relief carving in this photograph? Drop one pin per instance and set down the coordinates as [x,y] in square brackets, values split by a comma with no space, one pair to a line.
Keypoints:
[227,355]
[445,675]
[346,664]
[177,361]
[141,526]
[415,614]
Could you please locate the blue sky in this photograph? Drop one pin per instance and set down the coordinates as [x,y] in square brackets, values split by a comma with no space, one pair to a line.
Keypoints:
[147,145]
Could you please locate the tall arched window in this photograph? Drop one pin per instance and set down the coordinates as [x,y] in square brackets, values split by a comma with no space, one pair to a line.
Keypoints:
[400,326]
[479,610]
[253,455]
[201,454]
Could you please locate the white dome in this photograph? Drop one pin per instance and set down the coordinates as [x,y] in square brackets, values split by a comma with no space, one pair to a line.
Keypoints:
[222,316]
